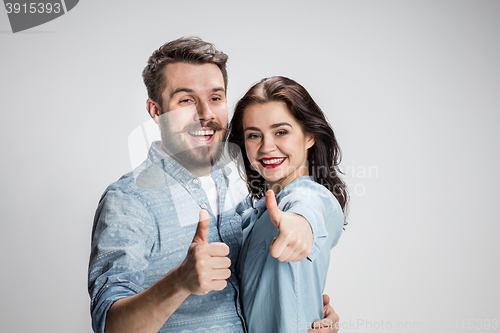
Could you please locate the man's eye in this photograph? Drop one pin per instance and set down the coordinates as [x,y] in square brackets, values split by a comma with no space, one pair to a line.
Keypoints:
[186,101]
[216,99]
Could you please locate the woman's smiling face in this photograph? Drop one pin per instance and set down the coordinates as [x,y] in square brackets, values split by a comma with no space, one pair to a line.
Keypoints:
[275,144]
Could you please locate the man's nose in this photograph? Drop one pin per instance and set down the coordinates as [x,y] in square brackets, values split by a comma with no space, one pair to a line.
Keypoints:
[203,112]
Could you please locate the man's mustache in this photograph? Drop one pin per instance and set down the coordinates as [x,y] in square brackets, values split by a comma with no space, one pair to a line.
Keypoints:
[211,124]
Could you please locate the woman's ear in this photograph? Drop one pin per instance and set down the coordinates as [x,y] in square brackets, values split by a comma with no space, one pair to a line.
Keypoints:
[310,141]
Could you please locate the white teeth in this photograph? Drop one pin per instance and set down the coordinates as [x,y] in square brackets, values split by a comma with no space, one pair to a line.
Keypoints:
[207,132]
[273,161]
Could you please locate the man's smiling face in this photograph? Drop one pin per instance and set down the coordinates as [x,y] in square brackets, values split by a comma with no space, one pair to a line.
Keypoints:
[194,115]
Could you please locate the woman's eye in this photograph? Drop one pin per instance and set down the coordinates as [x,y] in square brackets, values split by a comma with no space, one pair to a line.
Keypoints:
[253,136]
[280,133]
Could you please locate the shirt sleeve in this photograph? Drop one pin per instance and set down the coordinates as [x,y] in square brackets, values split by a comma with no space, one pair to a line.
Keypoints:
[308,203]
[122,239]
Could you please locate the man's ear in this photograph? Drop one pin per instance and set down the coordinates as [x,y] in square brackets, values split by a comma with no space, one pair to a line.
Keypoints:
[310,141]
[153,110]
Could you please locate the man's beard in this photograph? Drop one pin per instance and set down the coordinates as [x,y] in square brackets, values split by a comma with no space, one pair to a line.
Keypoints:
[193,158]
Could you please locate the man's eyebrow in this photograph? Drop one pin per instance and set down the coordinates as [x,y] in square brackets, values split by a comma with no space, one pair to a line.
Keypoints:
[189,91]
[178,90]
[218,89]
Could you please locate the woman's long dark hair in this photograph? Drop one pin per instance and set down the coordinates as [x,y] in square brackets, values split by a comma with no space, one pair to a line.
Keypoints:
[323,158]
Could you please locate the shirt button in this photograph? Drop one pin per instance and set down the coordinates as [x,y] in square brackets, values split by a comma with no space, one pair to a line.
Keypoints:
[195,181]
[203,206]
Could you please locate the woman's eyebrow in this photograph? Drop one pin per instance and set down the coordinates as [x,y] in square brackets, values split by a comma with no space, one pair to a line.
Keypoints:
[251,128]
[281,124]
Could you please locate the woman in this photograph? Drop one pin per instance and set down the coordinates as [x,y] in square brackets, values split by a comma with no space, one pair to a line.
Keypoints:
[288,147]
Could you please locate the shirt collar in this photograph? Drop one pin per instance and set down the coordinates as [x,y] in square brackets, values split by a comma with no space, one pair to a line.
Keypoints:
[173,168]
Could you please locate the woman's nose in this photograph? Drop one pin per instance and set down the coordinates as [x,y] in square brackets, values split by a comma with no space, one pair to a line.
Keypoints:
[268,145]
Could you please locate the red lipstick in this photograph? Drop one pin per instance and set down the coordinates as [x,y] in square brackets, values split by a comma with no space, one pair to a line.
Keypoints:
[272,162]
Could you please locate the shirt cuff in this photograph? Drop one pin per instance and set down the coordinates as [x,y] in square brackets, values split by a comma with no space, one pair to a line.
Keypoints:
[105,300]
[315,218]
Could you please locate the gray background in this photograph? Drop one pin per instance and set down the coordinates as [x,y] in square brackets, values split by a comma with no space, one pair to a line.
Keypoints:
[410,87]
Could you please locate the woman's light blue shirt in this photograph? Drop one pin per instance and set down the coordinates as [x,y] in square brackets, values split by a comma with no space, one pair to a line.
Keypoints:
[280,296]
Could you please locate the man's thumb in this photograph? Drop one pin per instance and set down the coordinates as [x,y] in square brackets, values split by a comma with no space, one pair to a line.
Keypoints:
[272,207]
[201,235]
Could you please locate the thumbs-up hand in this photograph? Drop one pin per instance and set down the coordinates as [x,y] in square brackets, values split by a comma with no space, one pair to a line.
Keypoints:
[295,239]
[206,266]
[201,234]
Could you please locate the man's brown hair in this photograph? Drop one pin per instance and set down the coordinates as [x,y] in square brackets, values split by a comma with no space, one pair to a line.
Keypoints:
[191,50]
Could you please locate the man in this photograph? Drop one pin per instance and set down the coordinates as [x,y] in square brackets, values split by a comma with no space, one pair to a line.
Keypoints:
[152,266]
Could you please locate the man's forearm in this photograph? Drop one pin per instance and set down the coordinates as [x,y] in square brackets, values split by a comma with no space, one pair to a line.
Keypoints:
[205,268]
[147,311]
